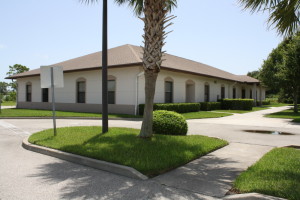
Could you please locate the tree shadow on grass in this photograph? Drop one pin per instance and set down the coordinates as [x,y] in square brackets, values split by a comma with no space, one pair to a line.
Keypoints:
[151,157]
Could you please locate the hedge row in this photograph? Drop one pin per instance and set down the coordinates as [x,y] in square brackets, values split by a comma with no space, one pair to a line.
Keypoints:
[237,104]
[206,106]
[266,102]
[176,107]
[227,104]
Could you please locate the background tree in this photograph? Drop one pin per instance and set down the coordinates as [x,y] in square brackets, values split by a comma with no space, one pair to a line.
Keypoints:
[3,88]
[284,14]
[253,74]
[156,20]
[280,72]
[271,67]
[16,69]
[290,71]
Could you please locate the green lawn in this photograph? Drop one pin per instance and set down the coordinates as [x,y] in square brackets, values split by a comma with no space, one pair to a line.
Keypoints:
[286,114]
[204,114]
[8,103]
[46,113]
[122,146]
[277,105]
[276,174]
[242,111]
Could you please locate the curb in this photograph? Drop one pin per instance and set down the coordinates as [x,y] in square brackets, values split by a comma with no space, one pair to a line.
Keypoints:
[90,162]
[251,196]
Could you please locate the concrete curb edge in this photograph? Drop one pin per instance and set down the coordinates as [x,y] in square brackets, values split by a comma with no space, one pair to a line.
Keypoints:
[251,196]
[97,164]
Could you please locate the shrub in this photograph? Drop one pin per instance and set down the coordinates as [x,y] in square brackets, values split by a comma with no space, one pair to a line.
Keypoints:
[206,106]
[176,107]
[237,104]
[266,102]
[169,123]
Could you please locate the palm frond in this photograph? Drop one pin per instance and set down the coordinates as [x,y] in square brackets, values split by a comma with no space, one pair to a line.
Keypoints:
[284,14]
[138,5]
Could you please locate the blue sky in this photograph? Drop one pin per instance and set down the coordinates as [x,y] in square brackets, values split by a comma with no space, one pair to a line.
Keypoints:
[214,32]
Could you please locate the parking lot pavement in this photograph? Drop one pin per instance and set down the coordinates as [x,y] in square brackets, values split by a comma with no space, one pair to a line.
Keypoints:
[29,175]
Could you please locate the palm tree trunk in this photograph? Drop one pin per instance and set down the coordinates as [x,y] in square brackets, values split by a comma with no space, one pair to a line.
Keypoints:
[296,90]
[154,24]
[150,82]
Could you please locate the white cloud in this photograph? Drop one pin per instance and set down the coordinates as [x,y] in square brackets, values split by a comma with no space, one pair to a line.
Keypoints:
[2,46]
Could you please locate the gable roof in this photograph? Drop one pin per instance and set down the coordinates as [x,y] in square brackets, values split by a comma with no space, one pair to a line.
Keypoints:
[128,55]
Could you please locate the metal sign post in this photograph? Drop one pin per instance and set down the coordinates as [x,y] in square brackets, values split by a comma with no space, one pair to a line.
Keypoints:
[53,102]
[52,77]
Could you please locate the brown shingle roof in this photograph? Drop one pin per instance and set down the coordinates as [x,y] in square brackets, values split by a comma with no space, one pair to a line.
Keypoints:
[128,55]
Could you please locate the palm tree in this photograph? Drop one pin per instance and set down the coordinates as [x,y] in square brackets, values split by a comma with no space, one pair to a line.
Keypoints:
[284,14]
[156,20]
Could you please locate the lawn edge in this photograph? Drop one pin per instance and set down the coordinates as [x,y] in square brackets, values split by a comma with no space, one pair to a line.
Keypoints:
[252,195]
[87,118]
[90,162]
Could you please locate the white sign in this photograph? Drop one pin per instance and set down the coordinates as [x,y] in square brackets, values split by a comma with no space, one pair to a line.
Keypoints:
[58,76]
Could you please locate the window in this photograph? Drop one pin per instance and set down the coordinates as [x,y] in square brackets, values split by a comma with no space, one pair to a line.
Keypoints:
[81,92]
[45,95]
[28,92]
[168,92]
[189,91]
[206,93]
[250,94]
[222,92]
[243,93]
[234,93]
[111,87]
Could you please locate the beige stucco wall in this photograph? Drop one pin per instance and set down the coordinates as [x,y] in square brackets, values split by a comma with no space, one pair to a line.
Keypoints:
[126,79]
[125,86]
[179,90]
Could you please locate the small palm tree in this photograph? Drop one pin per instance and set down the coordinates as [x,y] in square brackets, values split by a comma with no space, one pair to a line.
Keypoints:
[156,20]
[284,14]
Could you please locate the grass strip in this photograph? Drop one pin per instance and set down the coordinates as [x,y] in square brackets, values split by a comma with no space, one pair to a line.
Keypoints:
[8,103]
[151,157]
[276,174]
[286,114]
[242,111]
[14,112]
[204,114]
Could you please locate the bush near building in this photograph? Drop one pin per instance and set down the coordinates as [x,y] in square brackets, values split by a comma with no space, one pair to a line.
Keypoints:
[176,107]
[169,123]
[237,104]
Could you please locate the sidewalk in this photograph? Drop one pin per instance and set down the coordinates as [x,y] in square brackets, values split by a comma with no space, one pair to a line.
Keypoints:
[254,118]
[214,173]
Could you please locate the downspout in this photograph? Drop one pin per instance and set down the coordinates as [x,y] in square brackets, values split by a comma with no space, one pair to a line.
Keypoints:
[17,94]
[137,93]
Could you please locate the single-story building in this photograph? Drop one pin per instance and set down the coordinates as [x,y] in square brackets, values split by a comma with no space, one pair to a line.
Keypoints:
[180,80]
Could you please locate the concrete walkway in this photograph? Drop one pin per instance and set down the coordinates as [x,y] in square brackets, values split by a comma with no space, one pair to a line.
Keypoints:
[7,107]
[254,119]
[213,174]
